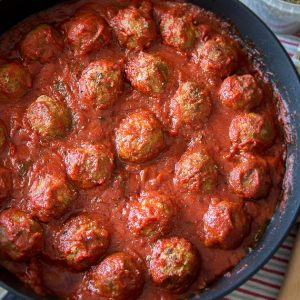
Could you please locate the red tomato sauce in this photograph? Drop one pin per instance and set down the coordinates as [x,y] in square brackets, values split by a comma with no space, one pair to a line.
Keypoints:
[57,73]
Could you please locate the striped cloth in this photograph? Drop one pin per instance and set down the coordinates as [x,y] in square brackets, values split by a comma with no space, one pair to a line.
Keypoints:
[265,285]
[267,282]
[290,43]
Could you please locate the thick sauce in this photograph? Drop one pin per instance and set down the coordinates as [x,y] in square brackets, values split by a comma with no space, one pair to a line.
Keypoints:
[132,127]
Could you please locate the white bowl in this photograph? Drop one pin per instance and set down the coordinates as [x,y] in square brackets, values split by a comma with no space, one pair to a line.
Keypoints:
[280,16]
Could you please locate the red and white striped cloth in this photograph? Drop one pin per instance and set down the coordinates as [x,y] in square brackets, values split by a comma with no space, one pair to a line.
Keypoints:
[267,282]
[290,42]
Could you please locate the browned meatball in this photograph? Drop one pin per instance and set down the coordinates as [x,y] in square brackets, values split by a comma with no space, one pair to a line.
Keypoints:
[50,194]
[174,264]
[139,137]
[226,223]
[89,165]
[191,104]
[251,131]
[3,135]
[100,84]
[49,117]
[87,31]
[178,32]
[42,43]
[81,241]
[251,178]
[148,73]
[196,171]
[151,215]
[240,92]
[20,236]
[6,183]
[218,56]
[134,26]
[15,81]
[117,277]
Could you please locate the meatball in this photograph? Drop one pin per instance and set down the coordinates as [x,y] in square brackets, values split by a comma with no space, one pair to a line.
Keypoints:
[226,223]
[251,131]
[21,237]
[251,178]
[82,241]
[6,183]
[139,137]
[178,32]
[240,92]
[151,216]
[89,165]
[134,27]
[174,264]
[218,56]
[117,277]
[3,134]
[15,81]
[100,84]
[191,104]
[86,32]
[50,194]
[43,43]
[49,117]
[148,73]
[196,172]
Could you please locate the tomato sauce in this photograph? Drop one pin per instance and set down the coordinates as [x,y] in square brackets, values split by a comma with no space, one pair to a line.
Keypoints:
[26,153]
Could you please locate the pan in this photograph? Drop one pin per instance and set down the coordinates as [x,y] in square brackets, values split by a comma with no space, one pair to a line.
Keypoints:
[284,76]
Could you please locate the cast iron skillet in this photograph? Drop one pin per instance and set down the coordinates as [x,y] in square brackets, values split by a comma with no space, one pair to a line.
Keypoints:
[282,73]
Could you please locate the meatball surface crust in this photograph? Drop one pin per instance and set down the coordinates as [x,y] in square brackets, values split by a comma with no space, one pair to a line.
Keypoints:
[151,215]
[174,264]
[240,92]
[89,165]
[251,178]
[49,117]
[3,135]
[82,241]
[50,194]
[87,31]
[196,172]
[6,183]
[178,32]
[42,43]
[148,73]
[134,27]
[21,237]
[139,137]
[226,223]
[251,131]
[118,277]
[190,104]
[100,84]
[15,81]
[218,56]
